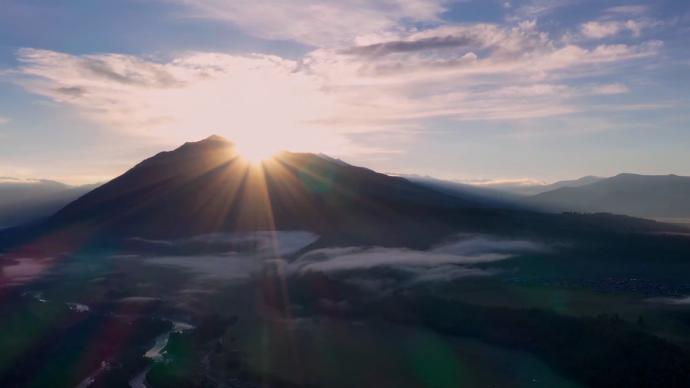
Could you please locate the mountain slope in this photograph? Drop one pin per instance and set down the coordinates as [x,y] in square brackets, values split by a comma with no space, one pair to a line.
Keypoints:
[205,187]
[651,196]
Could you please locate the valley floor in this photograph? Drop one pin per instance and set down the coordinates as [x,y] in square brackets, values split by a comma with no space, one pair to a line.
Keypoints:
[104,319]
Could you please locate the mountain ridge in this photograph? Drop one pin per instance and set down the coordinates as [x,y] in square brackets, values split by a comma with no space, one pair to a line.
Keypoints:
[206,187]
[185,187]
[649,196]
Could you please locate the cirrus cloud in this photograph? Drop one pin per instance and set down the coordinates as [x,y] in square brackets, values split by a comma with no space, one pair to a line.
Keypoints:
[317,22]
[633,9]
[607,28]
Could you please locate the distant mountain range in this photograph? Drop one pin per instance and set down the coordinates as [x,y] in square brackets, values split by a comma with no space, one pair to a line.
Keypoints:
[661,197]
[649,196]
[186,188]
[206,187]
[22,201]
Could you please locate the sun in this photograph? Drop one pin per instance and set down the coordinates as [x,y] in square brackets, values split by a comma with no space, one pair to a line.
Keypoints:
[255,153]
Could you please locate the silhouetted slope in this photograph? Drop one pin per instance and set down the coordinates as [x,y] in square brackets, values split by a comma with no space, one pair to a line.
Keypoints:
[653,196]
[206,187]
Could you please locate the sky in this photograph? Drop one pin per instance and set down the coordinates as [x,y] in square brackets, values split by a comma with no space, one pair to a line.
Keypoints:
[507,90]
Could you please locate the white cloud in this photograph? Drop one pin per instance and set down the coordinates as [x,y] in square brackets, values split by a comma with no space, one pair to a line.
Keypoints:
[532,9]
[603,29]
[469,250]
[4,120]
[227,256]
[480,71]
[338,260]
[248,98]
[317,22]
[239,256]
[389,81]
[473,245]
[598,30]
[628,9]
[608,89]
[378,269]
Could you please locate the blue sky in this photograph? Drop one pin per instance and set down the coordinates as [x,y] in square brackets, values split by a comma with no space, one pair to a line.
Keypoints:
[468,90]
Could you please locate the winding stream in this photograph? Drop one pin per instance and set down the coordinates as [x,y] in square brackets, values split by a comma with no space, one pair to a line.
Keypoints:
[157,352]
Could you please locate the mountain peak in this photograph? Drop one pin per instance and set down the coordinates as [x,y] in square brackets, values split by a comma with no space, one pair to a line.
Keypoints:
[211,141]
[215,138]
[204,187]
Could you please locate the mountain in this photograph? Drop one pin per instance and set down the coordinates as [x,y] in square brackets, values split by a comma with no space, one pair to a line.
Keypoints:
[22,201]
[534,189]
[649,196]
[206,187]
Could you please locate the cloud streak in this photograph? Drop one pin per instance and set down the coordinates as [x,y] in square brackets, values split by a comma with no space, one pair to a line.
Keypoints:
[232,257]
[635,9]
[450,261]
[241,256]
